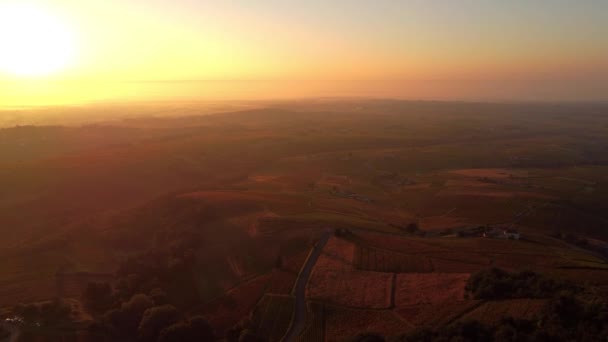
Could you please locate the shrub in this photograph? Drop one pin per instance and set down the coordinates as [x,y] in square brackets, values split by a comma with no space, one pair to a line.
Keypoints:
[499,284]
[369,337]
[125,320]
[567,317]
[460,331]
[49,313]
[194,330]
[98,296]
[4,334]
[248,335]
[155,320]
[412,228]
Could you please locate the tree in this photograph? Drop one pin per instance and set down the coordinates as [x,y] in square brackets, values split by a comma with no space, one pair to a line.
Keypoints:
[233,334]
[279,262]
[138,304]
[55,312]
[158,296]
[98,296]
[4,334]
[29,312]
[369,337]
[154,320]
[423,334]
[249,335]
[125,320]
[499,284]
[194,330]
[412,228]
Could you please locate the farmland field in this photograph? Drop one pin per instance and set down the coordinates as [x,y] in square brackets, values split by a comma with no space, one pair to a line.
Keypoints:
[493,311]
[216,214]
[341,323]
[434,315]
[335,279]
[374,259]
[315,324]
[236,304]
[429,288]
[358,289]
[272,316]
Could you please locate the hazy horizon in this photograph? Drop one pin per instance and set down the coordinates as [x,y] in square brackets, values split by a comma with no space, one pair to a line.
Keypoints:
[94,92]
[66,52]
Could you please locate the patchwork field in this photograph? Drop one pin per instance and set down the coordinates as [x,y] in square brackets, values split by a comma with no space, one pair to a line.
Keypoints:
[493,311]
[236,304]
[342,324]
[272,316]
[378,260]
[434,315]
[221,211]
[335,280]
[314,329]
[429,288]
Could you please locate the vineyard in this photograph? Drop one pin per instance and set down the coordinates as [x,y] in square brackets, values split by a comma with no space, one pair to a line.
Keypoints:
[456,266]
[227,310]
[337,254]
[513,261]
[434,315]
[360,289]
[374,259]
[407,245]
[335,280]
[493,311]
[315,324]
[272,316]
[281,282]
[429,288]
[343,324]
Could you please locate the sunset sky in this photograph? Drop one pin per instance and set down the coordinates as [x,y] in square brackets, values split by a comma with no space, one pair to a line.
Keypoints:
[125,49]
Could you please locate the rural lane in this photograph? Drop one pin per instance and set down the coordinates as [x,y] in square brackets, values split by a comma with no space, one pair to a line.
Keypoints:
[299,317]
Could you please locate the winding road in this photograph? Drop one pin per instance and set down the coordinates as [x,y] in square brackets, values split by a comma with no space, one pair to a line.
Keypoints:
[299,317]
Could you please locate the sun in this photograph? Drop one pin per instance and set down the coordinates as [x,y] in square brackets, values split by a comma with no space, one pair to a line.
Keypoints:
[33,42]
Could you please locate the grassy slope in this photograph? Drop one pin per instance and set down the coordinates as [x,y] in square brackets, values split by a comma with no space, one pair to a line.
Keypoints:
[264,181]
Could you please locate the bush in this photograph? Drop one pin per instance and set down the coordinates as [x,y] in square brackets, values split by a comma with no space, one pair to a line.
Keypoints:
[137,304]
[155,320]
[248,335]
[499,284]
[98,296]
[233,334]
[369,337]
[194,330]
[49,313]
[158,296]
[567,317]
[461,331]
[412,228]
[125,320]
[4,334]
[55,312]
[29,312]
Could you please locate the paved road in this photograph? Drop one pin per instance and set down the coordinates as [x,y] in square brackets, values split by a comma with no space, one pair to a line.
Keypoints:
[299,318]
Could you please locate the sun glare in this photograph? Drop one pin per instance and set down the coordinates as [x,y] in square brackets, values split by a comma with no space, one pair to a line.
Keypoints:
[33,42]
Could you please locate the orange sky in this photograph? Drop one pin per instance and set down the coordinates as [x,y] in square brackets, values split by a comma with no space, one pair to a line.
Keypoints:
[412,49]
